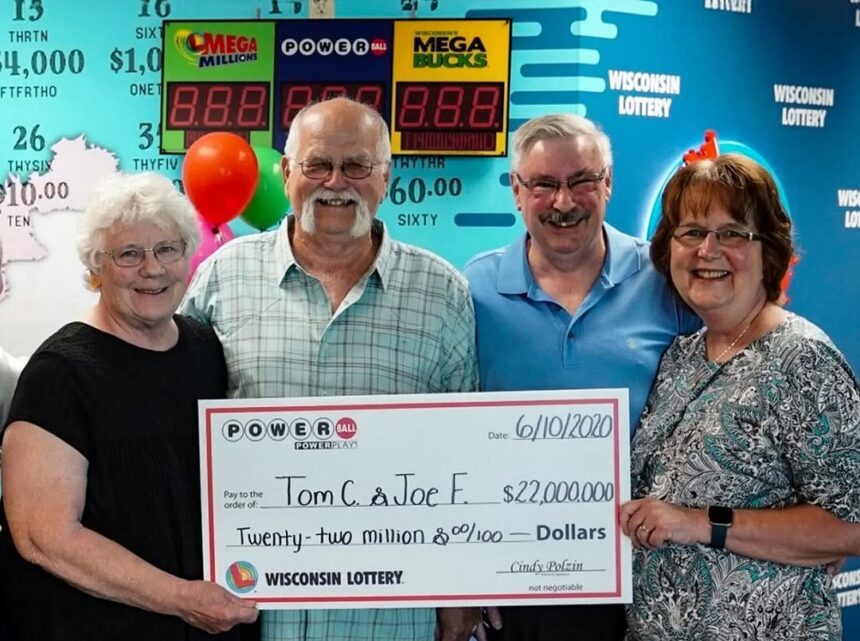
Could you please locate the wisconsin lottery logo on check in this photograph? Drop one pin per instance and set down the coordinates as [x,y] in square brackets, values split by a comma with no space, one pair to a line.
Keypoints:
[320,433]
[242,577]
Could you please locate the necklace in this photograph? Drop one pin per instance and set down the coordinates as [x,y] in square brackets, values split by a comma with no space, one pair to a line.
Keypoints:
[719,359]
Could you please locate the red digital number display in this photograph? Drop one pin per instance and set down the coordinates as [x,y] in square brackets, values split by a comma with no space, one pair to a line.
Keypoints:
[294,97]
[218,105]
[442,106]
[447,116]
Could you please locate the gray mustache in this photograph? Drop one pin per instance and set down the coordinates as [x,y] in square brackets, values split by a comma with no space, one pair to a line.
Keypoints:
[570,217]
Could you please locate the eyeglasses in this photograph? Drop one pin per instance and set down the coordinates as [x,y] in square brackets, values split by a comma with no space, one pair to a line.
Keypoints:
[548,187]
[165,252]
[322,169]
[731,237]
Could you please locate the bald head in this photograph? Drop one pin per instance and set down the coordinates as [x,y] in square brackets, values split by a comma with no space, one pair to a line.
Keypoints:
[342,117]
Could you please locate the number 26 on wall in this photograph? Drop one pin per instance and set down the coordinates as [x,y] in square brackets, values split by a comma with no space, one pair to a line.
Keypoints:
[36,140]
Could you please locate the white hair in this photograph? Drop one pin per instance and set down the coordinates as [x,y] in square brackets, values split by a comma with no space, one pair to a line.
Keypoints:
[126,199]
[556,126]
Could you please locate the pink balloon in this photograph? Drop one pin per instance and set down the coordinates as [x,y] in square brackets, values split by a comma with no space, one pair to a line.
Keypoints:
[210,240]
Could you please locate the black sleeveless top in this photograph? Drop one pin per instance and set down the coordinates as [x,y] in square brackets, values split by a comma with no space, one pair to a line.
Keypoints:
[132,413]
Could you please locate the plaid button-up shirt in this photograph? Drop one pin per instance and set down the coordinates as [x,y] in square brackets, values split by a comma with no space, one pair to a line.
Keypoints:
[406,327]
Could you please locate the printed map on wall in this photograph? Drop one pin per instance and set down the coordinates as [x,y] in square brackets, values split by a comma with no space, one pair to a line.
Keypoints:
[38,218]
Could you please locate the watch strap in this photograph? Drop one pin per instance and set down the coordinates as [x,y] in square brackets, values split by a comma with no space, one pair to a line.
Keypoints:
[718,536]
[720,519]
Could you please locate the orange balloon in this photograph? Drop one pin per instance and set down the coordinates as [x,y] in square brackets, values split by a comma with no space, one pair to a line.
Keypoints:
[220,176]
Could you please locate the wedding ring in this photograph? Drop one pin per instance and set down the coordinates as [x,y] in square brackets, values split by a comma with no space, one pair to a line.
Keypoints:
[644,529]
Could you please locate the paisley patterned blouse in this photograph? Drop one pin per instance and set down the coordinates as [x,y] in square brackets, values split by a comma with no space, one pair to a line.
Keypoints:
[776,425]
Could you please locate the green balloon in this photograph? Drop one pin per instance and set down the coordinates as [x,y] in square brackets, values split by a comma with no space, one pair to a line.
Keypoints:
[270,203]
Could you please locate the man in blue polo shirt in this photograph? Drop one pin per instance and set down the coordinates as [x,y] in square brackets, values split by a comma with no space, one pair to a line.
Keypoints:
[572,303]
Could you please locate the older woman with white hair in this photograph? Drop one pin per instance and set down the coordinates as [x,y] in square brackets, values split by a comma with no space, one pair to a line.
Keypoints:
[101,521]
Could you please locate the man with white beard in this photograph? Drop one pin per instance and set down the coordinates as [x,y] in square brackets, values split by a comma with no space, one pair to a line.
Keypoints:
[329,305]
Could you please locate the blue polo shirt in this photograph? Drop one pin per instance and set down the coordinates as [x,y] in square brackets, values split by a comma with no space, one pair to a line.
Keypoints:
[527,341]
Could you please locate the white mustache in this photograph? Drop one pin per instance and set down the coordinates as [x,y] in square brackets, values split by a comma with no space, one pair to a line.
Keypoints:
[363,217]
[327,194]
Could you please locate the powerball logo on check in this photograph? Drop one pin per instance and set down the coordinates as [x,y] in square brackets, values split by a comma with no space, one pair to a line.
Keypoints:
[320,433]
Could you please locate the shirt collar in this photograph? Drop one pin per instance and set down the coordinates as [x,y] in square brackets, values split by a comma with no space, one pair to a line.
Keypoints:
[382,264]
[515,275]
[623,258]
[622,261]
[285,259]
[284,249]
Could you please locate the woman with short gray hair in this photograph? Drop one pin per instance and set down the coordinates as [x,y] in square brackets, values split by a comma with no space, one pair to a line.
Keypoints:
[101,521]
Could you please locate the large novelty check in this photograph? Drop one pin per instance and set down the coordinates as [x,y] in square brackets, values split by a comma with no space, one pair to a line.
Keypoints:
[421,500]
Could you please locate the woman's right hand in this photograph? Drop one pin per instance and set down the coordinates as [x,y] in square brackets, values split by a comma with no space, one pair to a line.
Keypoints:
[652,523]
[210,607]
